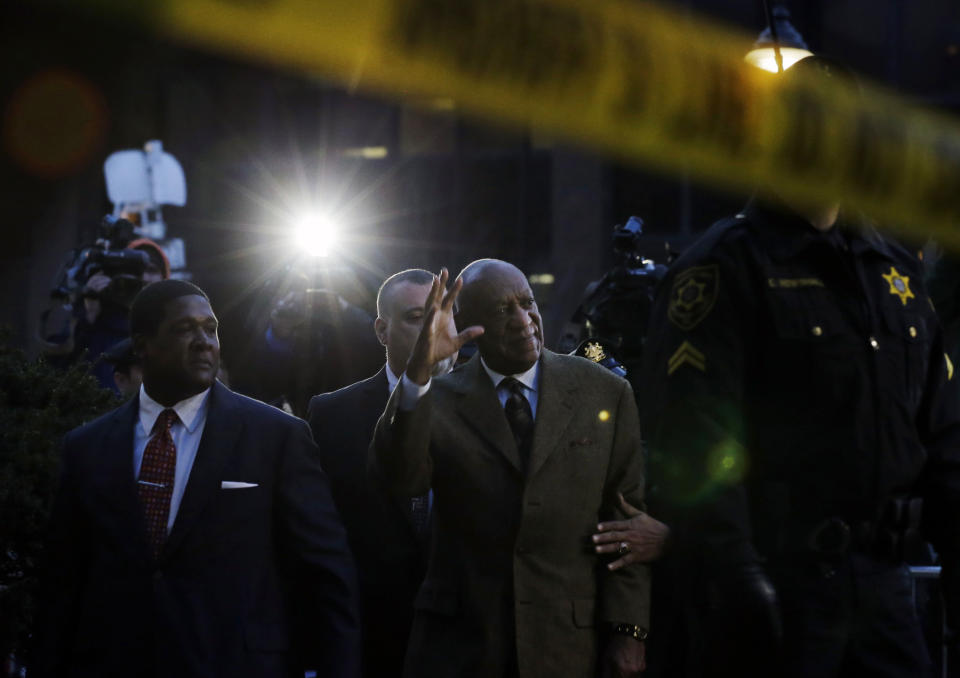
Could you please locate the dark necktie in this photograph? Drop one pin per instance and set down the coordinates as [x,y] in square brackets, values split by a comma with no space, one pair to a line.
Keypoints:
[155,484]
[520,417]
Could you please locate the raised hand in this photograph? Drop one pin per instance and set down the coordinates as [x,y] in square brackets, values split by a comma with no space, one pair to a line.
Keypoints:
[438,337]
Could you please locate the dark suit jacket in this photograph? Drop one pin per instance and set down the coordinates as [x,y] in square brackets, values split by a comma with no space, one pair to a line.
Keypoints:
[512,577]
[243,574]
[391,559]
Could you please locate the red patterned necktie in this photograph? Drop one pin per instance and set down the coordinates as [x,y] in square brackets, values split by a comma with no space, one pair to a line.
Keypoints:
[155,483]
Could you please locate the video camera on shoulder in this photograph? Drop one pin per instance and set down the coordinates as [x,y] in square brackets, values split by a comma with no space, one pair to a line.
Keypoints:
[107,255]
[616,307]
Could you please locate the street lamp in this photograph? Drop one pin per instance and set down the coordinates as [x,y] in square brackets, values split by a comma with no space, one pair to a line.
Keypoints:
[780,45]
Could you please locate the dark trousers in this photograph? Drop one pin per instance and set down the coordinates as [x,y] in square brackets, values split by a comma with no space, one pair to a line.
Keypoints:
[850,618]
[673,647]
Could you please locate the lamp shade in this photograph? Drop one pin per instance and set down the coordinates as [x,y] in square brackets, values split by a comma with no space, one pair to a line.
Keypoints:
[792,45]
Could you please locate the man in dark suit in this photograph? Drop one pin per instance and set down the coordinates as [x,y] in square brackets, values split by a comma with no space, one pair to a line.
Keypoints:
[525,451]
[193,533]
[388,534]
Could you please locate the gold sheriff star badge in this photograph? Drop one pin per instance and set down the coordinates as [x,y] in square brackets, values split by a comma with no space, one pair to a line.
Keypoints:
[899,285]
[594,351]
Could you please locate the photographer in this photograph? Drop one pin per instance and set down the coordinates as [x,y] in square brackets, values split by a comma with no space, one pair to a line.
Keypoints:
[155,268]
[615,308]
[315,341]
[100,283]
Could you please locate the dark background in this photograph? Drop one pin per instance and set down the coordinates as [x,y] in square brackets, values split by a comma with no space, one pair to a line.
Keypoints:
[258,144]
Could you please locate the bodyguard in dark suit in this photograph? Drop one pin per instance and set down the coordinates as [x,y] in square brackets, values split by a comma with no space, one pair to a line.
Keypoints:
[193,533]
[525,451]
[388,534]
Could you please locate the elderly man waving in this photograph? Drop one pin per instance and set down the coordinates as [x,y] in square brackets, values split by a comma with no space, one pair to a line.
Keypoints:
[525,451]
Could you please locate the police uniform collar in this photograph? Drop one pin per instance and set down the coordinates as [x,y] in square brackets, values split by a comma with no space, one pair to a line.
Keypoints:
[785,233]
[864,237]
[782,232]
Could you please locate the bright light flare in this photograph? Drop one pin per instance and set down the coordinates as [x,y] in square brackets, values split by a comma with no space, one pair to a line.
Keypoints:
[315,235]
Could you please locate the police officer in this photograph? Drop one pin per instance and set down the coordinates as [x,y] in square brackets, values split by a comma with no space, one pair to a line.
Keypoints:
[797,412]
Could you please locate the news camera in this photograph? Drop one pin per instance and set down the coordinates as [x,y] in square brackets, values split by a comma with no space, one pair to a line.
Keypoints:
[616,308]
[107,255]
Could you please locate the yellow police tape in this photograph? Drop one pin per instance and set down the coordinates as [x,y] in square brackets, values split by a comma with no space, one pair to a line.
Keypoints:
[628,78]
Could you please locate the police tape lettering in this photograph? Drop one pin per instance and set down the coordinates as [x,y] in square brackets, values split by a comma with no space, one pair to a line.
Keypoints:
[625,78]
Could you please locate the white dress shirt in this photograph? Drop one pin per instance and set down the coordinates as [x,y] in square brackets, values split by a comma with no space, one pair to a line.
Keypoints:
[186,434]
[392,379]
[412,392]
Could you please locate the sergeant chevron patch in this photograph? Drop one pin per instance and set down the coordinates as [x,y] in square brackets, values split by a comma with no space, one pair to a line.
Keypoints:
[686,355]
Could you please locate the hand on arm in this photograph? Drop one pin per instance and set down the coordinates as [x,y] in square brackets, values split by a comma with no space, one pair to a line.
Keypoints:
[438,337]
[639,539]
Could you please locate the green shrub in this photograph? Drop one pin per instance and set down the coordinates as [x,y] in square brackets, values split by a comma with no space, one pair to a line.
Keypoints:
[38,405]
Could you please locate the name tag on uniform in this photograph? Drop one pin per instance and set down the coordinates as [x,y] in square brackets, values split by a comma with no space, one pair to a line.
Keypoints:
[235,485]
[793,283]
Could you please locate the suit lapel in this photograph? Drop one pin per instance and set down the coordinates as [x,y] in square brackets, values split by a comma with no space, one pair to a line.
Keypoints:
[116,485]
[375,395]
[554,410]
[480,408]
[367,403]
[220,435]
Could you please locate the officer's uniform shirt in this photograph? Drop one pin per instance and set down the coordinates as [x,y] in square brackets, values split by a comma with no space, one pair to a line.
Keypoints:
[799,372]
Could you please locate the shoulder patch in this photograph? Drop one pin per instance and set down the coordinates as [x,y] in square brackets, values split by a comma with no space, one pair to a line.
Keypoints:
[693,295]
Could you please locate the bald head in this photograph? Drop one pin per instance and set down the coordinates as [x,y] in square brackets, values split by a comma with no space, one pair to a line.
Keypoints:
[478,276]
[411,276]
[497,296]
[400,313]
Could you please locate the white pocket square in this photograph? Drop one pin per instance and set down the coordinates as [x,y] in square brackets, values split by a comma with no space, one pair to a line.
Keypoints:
[235,485]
